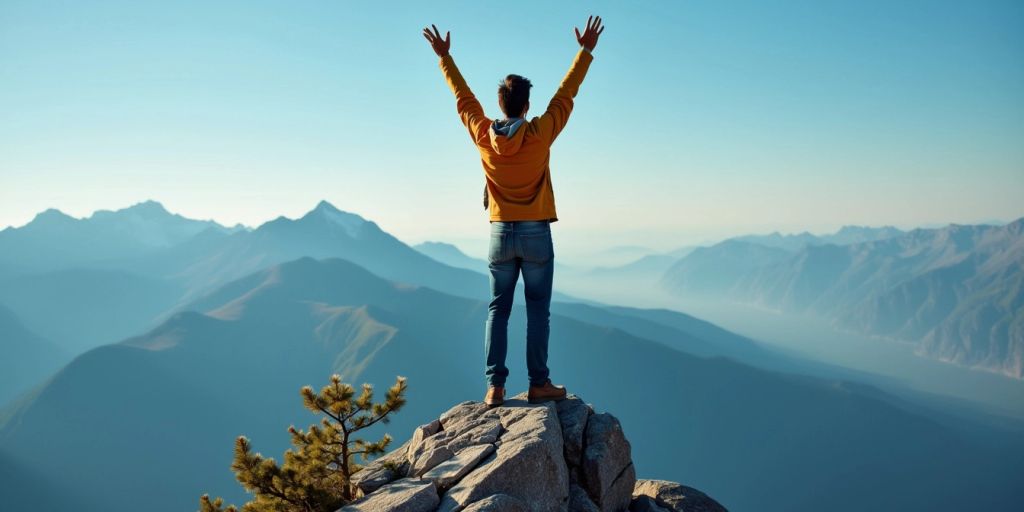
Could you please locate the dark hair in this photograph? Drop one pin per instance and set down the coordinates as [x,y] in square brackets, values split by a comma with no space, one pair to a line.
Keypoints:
[513,93]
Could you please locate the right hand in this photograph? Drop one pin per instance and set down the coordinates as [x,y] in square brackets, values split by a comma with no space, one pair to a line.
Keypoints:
[589,38]
[440,46]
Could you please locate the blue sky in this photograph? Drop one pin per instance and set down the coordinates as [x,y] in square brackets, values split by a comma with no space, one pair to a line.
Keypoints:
[698,119]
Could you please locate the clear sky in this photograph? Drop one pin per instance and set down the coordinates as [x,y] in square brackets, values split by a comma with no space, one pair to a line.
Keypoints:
[698,119]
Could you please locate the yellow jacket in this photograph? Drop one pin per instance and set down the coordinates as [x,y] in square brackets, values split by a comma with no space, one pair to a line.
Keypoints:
[516,165]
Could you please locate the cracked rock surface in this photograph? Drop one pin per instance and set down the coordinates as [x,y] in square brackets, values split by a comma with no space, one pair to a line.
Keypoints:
[554,456]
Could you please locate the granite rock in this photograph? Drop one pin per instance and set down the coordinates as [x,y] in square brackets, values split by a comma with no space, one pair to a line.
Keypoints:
[573,414]
[405,495]
[579,501]
[497,503]
[673,497]
[529,464]
[608,473]
[452,470]
[520,457]
[382,471]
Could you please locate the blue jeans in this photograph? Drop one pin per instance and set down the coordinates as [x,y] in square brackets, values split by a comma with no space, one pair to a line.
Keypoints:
[519,246]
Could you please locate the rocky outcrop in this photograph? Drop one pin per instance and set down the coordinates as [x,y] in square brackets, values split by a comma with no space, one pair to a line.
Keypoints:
[520,457]
[658,495]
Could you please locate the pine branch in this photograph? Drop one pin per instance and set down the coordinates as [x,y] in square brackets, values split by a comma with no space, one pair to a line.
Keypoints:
[315,475]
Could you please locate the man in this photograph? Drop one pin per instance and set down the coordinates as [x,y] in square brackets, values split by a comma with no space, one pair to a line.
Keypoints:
[515,153]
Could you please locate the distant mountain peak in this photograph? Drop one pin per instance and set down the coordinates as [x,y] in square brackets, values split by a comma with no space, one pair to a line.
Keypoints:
[326,206]
[330,211]
[148,210]
[148,206]
[52,215]
[350,222]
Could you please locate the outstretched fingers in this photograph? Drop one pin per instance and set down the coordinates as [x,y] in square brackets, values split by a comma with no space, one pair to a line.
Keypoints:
[433,36]
[593,27]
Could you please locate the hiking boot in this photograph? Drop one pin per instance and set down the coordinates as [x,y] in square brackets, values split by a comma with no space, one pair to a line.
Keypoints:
[495,396]
[545,392]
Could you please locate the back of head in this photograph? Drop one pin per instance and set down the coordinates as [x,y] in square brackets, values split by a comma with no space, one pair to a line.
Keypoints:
[514,95]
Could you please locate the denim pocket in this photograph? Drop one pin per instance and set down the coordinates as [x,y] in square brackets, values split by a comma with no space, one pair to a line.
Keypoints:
[537,247]
[497,251]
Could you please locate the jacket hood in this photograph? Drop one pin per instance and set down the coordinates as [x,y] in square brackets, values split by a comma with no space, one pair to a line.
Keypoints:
[506,135]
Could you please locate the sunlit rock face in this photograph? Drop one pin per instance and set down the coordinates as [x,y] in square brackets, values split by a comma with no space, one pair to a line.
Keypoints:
[554,456]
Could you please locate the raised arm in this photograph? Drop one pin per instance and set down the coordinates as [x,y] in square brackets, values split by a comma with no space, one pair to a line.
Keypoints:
[469,109]
[551,123]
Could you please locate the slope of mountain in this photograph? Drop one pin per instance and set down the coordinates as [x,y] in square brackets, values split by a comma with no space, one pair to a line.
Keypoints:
[450,255]
[719,267]
[956,290]
[46,493]
[152,419]
[25,358]
[677,330]
[647,269]
[80,308]
[54,240]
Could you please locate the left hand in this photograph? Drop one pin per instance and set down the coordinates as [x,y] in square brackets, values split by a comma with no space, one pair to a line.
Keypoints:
[441,46]
[589,37]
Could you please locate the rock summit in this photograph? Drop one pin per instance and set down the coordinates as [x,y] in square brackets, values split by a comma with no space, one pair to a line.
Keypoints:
[519,457]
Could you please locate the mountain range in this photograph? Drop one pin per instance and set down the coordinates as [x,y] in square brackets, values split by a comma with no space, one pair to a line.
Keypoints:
[118,273]
[954,291]
[699,269]
[846,235]
[54,240]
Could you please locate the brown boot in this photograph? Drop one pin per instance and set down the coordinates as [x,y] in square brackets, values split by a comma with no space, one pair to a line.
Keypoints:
[545,392]
[495,396]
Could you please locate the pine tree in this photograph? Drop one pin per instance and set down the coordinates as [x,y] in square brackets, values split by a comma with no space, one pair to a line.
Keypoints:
[316,475]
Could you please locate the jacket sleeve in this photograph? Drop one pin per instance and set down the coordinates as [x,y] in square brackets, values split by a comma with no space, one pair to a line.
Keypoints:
[550,124]
[470,111]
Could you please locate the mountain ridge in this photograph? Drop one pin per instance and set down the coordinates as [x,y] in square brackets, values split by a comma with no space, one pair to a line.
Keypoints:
[954,291]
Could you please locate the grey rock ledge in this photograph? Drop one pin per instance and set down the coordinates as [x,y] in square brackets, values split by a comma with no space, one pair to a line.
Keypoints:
[520,457]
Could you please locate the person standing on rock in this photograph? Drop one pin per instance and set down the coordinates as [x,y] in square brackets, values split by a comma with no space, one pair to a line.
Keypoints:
[515,153]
